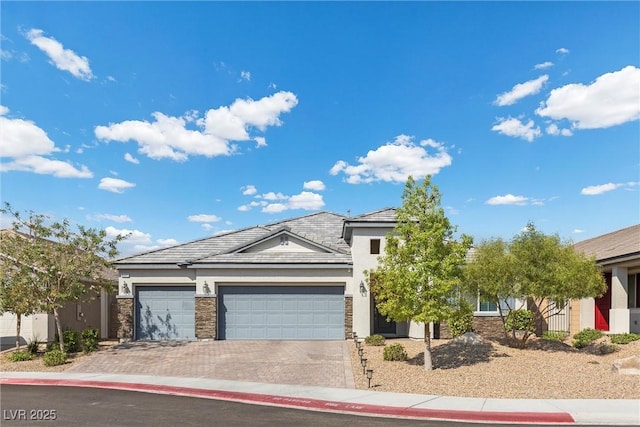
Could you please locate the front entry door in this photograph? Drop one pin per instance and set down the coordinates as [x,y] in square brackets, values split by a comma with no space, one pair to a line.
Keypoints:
[380,323]
[602,307]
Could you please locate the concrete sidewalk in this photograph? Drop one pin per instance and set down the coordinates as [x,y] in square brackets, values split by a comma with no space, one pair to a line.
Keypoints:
[362,402]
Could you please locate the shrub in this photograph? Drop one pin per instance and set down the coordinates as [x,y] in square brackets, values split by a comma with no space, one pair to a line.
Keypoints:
[624,338]
[394,352]
[54,358]
[559,336]
[460,322]
[520,320]
[33,346]
[585,337]
[374,340]
[90,339]
[19,356]
[71,341]
[604,348]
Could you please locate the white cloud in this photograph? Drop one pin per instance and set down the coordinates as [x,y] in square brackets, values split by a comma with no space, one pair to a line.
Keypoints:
[553,129]
[271,196]
[204,218]
[578,231]
[395,161]
[115,185]
[261,141]
[514,127]
[111,217]
[129,158]
[274,208]
[169,137]
[26,145]
[595,190]
[245,75]
[63,59]
[520,91]
[306,200]
[244,208]
[167,242]
[562,50]
[249,190]
[543,65]
[315,185]
[612,99]
[508,199]
[133,236]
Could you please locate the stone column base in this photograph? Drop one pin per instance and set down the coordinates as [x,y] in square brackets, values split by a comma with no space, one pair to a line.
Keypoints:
[206,316]
[125,318]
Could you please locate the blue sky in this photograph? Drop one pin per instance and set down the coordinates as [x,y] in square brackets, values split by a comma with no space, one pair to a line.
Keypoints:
[175,121]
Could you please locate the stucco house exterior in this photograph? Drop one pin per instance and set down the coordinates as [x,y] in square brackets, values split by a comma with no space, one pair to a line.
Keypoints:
[618,310]
[301,278]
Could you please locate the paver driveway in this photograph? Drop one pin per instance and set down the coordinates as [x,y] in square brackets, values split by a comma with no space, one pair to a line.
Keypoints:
[318,363]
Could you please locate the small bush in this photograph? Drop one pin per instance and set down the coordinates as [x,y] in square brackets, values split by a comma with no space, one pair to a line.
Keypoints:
[520,320]
[460,322]
[586,337]
[394,352]
[374,340]
[71,341]
[20,356]
[90,340]
[54,358]
[605,348]
[558,336]
[33,346]
[625,338]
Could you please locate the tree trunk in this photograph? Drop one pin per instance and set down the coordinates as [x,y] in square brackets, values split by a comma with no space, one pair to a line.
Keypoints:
[18,326]
[59,328]
[428,365]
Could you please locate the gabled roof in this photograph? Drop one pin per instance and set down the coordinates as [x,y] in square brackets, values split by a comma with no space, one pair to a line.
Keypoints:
[322,229]
[624,243]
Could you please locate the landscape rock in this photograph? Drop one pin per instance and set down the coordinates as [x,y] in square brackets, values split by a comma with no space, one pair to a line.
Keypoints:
[627,366]
[469,338]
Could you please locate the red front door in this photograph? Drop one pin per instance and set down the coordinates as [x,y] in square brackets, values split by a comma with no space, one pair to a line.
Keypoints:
[603,305]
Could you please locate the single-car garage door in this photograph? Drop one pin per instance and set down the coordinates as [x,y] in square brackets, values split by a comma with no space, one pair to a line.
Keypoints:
[281,312]
[165,312]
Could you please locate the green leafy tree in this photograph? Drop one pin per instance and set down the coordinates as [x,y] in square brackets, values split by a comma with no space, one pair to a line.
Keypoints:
[490,275]
[65,265]
[537,268]
[18,285]
[417,278]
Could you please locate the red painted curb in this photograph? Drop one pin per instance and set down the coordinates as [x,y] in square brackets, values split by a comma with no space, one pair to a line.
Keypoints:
[313,404]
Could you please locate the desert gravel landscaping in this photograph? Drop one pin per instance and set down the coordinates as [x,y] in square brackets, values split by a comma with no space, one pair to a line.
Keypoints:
[545,370]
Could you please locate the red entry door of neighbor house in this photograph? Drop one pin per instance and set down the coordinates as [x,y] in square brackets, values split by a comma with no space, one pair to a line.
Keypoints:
[603,305]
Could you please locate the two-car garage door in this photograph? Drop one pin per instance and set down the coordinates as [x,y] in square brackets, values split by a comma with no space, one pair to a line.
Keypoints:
[281,312]
[244,312]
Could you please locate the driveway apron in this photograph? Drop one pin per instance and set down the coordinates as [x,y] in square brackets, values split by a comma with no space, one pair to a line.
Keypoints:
[315,363]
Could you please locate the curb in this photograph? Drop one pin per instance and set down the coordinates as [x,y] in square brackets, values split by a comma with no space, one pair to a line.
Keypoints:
[517,417]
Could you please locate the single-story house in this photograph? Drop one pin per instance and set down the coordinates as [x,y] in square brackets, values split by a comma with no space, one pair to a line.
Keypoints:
[618,310]
[301,278]
[96,310]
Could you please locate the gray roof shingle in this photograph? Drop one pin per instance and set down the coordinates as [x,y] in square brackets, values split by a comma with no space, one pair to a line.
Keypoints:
[321,228]
[618,243]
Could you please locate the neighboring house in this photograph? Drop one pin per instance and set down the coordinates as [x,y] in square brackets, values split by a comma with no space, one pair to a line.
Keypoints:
[618,310]
[96,311]
[301,278]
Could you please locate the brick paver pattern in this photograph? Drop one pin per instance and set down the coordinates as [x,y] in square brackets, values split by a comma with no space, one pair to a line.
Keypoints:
[317,363]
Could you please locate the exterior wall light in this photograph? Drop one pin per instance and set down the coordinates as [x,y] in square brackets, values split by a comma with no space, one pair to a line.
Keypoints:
[125,288]
[363,289]
[206,288]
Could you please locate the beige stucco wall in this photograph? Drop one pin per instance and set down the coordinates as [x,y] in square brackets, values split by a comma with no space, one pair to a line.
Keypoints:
[364,260]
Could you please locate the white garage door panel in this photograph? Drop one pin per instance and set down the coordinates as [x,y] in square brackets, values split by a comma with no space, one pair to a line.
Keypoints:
[281,312]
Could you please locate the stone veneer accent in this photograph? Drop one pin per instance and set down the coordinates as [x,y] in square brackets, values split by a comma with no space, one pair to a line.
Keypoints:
[206,317]
[348,317]
[125,318]
[488,326]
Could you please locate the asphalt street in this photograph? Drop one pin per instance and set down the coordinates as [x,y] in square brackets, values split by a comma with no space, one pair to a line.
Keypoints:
[30,405]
